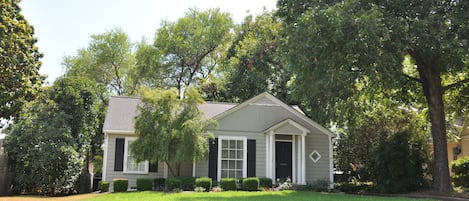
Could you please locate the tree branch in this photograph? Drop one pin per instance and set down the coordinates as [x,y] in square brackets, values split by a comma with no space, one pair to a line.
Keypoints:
[456,84]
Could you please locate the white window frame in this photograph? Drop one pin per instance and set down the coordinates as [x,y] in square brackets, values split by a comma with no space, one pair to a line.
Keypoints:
[126,148]
[245,153]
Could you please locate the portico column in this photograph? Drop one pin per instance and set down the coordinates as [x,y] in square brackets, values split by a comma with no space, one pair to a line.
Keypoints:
[294,161]
[303,160]
[272,154]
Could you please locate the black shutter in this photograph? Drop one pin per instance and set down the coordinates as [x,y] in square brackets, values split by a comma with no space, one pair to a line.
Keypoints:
[119,155]
[251,158]
[213,159]
[153,167]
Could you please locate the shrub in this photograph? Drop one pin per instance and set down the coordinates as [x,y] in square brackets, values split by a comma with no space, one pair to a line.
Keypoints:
[287,185]
[187,183]
[228,184]
[144,184]
[265,182]
[103,186]
[461,180]
[159,183]
[120,185]
[199,189]
[320,185]
[251,184]
[353,187]
[204,182]
[173,184]
[460,166]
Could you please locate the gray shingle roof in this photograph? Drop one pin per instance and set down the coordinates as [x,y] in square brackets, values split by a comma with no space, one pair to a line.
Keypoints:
[122,111]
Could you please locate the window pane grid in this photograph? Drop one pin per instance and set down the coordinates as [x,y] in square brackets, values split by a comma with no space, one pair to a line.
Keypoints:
[232,158]
[132,165]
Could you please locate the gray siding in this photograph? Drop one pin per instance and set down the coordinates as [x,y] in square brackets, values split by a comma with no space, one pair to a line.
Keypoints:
[111,174]
[253,120]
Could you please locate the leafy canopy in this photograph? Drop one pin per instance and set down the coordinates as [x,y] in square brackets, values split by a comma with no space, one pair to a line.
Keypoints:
[171,130]
[20,80]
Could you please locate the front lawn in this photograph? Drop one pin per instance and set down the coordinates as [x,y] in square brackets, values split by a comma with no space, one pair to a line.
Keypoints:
[241,195]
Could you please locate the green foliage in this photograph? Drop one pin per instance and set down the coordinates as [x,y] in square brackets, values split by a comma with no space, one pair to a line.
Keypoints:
[320,185]
[108,60]
[159,183]
[254,58]
[251,184]
[40,143]
[170,129]
[265,182]
[228,184]
[120,185]
[83,184]
[187,183]
[173,183]
[20,80]
[103,186]
[333,45]
[204,182]
[461,180]
[397,163]
[199,189]
[98,165]
[191,46]
[144,184]
[460,168]
[353,187]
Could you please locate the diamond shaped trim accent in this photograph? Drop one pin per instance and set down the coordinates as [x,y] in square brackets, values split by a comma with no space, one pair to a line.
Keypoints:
[315,156]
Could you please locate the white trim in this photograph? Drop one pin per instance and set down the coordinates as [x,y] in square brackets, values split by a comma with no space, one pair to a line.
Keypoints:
[119,132]
[193,168]
[304,130]
[245,151]
[105,148]
[126,148]
[280,140]
[331,165]
[267,162]
[303,161]
[293,168]
[314,159]
[281,104]
[272,155]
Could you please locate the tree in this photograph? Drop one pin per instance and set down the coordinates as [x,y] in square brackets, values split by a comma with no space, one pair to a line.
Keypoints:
[108,60]
[334,44]
[191,47]
[171,130]
[255,59]
[50,143]
[19,60]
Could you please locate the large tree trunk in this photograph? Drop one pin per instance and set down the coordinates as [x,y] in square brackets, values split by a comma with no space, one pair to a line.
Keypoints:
[433,90]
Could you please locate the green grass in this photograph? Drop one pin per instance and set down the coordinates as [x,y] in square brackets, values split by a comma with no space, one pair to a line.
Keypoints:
[241,195]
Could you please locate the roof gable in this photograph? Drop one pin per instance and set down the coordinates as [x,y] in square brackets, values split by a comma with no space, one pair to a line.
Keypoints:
[266,99]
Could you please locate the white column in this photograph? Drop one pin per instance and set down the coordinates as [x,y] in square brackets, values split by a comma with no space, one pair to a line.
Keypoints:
[303,161]
[272,155]
[267,155]
[193,168]
[298,167]
[294,178]
[331,165]
[105,148]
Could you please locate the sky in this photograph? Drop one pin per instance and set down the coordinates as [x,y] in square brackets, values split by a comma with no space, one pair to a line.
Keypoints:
[64,26]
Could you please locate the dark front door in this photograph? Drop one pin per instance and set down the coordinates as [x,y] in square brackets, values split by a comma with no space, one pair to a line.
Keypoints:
[283,160]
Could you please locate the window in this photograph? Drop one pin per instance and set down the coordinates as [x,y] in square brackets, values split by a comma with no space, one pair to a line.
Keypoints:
[130,164]
[232,158]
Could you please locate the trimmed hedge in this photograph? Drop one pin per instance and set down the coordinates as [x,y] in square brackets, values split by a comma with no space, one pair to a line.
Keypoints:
[173,183]
[120,185]
[159,183]
[461,180]
[103,186]
[204,182]
[144,184]
[228,184]
[251,184]
[187,183]
[265,182]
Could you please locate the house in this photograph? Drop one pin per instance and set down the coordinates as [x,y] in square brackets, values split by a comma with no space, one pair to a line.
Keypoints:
[459,148]
[261,137]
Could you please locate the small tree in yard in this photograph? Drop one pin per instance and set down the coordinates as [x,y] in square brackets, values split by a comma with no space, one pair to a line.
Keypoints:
[170,129]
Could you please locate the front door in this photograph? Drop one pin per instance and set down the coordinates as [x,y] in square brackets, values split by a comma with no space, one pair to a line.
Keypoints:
[283,160]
